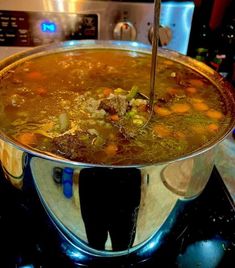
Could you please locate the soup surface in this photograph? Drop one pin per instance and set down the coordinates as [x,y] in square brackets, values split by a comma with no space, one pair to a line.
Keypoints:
[74,104]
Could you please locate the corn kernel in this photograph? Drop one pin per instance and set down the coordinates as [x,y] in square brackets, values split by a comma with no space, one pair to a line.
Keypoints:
[138,121]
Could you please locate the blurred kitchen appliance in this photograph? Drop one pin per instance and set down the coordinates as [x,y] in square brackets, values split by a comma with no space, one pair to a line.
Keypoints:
[28,23]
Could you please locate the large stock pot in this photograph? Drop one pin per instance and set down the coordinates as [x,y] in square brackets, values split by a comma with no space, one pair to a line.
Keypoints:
[142,202]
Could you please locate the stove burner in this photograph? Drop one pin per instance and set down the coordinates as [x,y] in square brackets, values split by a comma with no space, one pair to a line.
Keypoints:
[208,240]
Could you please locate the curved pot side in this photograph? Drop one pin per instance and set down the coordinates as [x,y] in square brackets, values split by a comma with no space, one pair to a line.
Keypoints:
[143,199]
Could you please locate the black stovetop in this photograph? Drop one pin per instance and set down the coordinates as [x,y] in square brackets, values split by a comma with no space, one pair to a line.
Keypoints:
[207,241]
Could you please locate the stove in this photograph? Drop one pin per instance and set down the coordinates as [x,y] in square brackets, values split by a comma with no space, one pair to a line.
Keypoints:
[28,239]
[25,24]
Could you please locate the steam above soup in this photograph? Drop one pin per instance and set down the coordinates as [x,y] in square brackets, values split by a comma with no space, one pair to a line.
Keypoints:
[72,104]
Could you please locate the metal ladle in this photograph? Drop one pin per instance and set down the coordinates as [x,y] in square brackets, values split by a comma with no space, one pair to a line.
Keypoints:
[153,71]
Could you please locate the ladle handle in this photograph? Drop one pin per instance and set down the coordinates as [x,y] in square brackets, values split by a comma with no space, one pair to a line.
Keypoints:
[155,40]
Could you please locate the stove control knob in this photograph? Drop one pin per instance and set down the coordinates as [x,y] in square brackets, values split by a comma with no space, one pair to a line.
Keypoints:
[165,35]
[124,30]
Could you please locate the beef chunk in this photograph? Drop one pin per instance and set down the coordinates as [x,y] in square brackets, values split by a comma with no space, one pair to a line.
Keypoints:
[115,105]
[69,146]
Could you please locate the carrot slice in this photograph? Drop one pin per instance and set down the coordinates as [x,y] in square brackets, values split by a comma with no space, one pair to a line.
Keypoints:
[200,106]
[161,111]
[111,149]
[196,82]
[180,108]
[213,127]
[191,90]
[214,114]
[34,75]
[161,131]
[114,117]
[107,91]
[27,138]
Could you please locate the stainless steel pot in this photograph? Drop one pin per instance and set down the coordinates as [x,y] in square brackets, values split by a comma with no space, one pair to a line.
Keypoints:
[139,203]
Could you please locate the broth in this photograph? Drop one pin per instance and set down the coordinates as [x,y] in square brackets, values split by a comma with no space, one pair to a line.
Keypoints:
[71,103]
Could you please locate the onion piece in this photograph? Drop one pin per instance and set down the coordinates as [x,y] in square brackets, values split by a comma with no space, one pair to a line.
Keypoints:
[64,122]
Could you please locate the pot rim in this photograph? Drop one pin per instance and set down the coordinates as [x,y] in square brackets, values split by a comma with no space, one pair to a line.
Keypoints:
[225,88]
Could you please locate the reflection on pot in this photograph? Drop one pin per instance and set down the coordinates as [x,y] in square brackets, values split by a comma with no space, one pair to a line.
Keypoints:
[117,209]
[110,209]
[187,178]
[110,198]
[13,163]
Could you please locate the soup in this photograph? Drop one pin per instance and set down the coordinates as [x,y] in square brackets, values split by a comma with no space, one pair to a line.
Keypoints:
[74,103]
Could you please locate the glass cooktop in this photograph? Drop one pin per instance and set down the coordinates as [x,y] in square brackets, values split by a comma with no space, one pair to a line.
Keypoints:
[207,241]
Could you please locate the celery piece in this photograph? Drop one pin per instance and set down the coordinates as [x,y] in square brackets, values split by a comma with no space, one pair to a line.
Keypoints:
[133,92]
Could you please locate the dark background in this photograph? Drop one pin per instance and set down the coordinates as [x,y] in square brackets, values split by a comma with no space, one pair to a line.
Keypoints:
[212,38]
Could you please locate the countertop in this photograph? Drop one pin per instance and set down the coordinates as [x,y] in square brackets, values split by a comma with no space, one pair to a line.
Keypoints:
[225,163]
